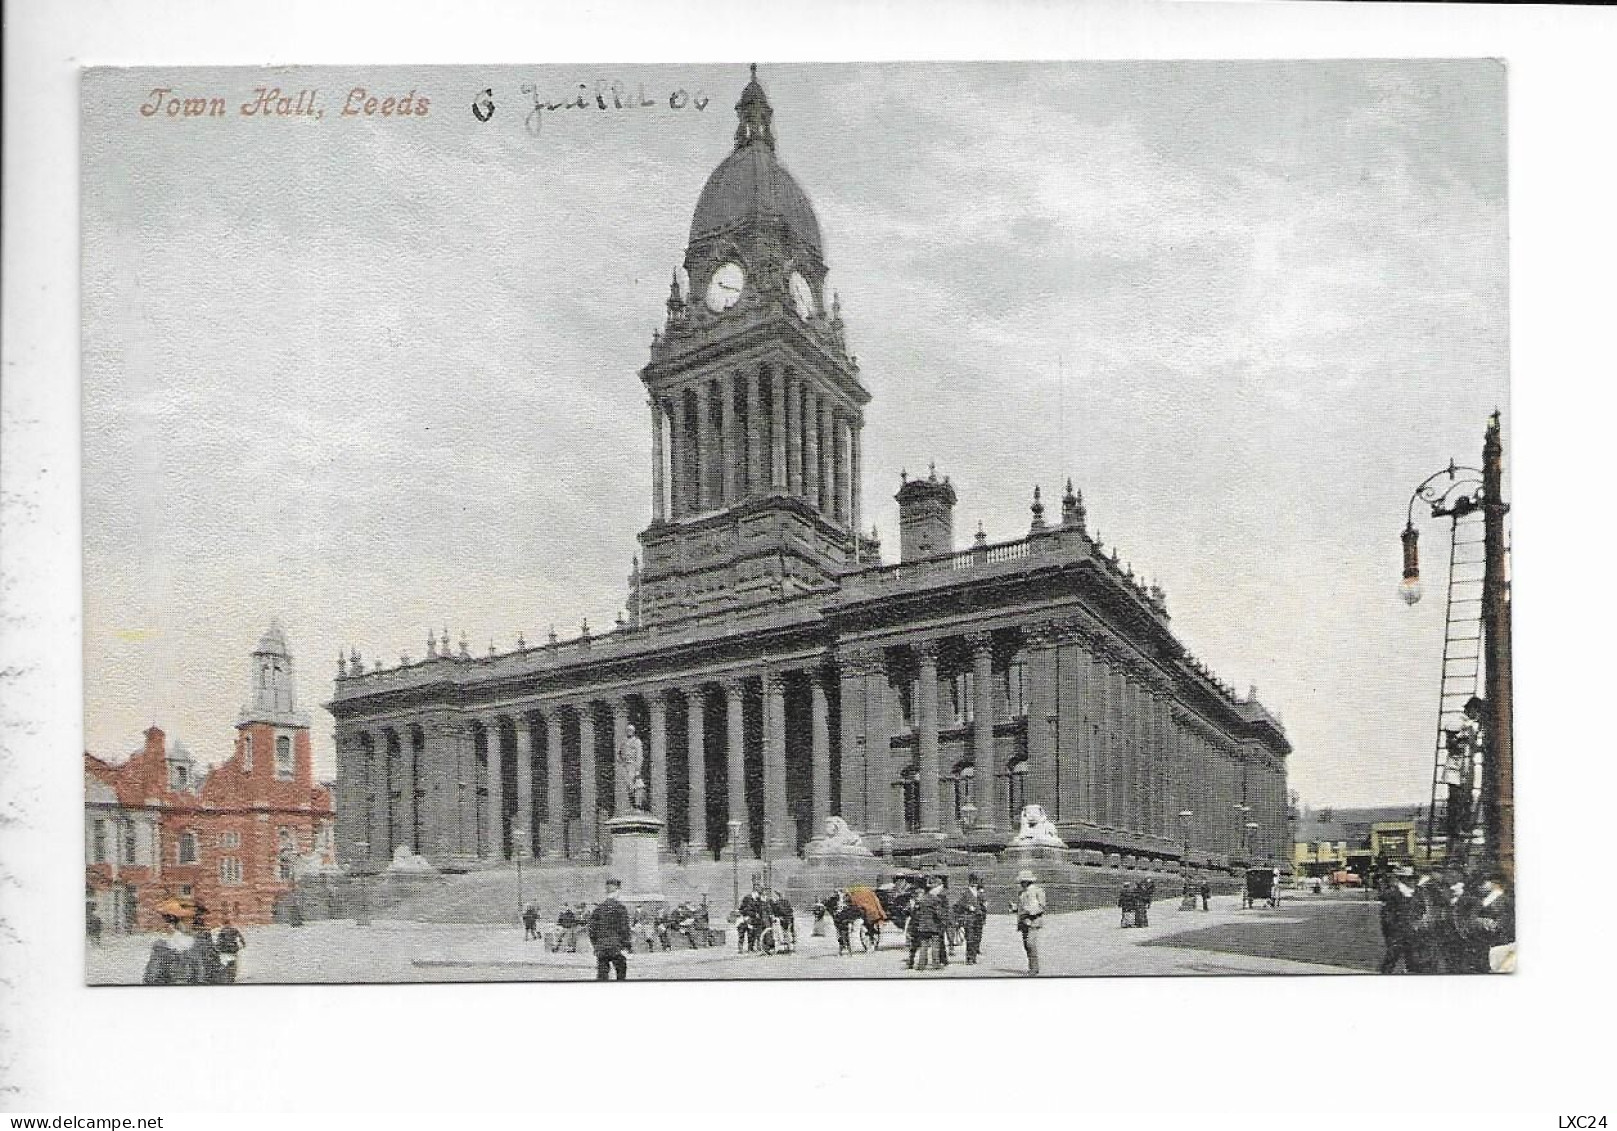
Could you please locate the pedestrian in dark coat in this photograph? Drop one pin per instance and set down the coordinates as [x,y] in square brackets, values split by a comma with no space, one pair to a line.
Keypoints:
[940,901]
[1142,905]
[230,943]
[1397,928]
[972,913]
[166,965]
[1126,906]
[203,957]
[609,934]
[749,923]
[1428,915]
[530,922]
[924,926]
[1207,893]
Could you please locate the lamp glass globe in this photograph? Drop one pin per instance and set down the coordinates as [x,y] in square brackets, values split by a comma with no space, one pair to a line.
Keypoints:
[1410,591]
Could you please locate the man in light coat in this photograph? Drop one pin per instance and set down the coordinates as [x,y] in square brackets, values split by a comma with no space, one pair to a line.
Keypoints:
[1029,908]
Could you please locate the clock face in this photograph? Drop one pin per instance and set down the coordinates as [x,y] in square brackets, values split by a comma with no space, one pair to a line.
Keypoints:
[725,289]
[802,296]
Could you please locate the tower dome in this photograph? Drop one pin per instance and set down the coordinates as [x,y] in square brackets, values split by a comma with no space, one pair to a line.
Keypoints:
[751,185]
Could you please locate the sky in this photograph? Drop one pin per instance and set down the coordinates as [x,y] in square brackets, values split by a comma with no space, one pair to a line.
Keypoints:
[375,375]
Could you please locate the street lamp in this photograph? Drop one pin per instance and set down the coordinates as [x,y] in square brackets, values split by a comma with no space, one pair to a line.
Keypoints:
[1184,823]
[1454,493]
[769,864]
[1246,840]
[363,918]
[1241,810]
[735,864]
[517,855]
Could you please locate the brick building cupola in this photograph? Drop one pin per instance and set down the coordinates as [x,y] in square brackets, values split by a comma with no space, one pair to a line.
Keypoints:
[925,516]
[272,734]
[756,405]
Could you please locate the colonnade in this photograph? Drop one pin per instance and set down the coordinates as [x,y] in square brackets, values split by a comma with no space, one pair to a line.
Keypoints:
[765,430]
[938,738]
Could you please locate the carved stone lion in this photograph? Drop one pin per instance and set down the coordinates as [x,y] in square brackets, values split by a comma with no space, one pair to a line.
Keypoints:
[837,839]
[1037,831]
[406,861]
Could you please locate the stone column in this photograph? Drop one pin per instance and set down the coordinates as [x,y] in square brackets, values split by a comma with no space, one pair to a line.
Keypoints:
[657,753]
[733,440]
[657,513]
[878,747]
[754,434]
[702,496]
[621,802]
[555,784]
[851,740]
[984,758]
[1167,780]
[496,792]
[696,766]
[586,779]
[777,430]
[522,822]
[853,486]
[1134,702]
[349,801]
[926,710]
[828,460]
[775,809]
[674,410]
[380,799]
[839,468]
[1041,748]
[820,763]
[735,751]
[811,447]
[794,437]
[401,817]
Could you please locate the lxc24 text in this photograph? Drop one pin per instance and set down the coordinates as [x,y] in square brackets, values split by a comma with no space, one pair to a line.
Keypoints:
[273,102]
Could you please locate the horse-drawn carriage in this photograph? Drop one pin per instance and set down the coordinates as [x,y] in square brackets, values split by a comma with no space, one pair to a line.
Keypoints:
[869,909]
[1262,885]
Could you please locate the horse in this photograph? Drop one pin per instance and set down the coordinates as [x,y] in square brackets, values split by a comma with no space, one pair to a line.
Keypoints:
[862,906]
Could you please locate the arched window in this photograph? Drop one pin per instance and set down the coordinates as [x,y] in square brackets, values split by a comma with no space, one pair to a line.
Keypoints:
[1016,793]
[286,847]
[283,758]
[965,794]
[910,785]
[961,696]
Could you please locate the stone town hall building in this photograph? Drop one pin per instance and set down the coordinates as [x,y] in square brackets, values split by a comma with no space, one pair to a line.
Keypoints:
[778,671]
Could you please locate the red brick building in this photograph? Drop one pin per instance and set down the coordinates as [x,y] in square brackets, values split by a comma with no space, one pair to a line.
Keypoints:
[231,836]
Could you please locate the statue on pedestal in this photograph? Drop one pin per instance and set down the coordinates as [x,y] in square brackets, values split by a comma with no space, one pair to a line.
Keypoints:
[631,766]
[1037,831]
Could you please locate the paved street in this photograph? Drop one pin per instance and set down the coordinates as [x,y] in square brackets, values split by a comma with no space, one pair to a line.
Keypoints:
[1304,936]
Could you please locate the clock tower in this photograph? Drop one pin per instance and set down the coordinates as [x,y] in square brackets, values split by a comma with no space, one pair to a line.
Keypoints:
[756,404]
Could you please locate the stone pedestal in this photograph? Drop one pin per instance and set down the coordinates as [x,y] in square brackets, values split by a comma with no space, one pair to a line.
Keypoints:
[1031,856]
[635,860]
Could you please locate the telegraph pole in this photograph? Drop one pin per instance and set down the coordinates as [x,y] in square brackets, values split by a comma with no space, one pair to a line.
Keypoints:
[1497,768]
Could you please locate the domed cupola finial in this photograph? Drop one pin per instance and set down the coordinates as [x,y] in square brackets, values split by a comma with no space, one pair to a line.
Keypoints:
[754,114]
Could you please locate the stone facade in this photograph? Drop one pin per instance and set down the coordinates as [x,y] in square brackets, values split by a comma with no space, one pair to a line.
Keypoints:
[780,673]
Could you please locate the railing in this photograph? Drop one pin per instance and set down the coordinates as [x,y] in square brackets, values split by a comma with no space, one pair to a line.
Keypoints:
[946,565]
[619,641]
